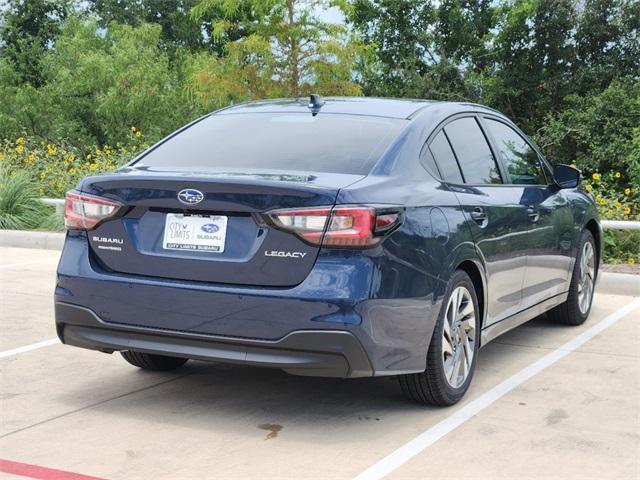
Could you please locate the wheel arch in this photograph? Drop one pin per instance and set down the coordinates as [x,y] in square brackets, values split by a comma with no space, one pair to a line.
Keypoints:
[471,268]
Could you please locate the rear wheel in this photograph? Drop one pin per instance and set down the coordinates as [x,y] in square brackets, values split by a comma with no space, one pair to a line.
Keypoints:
[452,355]
[575,310]
[148,361]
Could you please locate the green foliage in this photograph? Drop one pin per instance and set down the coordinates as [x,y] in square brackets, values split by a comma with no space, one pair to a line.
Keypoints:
[621,246]
[20,206]
[27,31]
[599,132]
[288,51]
[75,77]
[59,167]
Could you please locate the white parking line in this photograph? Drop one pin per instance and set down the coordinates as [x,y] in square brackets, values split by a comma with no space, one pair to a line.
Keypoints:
[412,448]
[27,348]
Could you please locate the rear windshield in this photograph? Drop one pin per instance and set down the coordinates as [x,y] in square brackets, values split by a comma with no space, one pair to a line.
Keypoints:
[325,143]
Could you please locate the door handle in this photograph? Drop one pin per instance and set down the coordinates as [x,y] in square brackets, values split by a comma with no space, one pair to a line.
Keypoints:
[533,214]
[479,216]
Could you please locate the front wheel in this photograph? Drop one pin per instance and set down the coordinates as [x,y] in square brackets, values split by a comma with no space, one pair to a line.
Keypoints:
[575,310]
[453,351]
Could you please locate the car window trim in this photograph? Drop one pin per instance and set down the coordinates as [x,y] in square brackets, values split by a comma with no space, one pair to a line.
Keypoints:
[541,160]
[451,119]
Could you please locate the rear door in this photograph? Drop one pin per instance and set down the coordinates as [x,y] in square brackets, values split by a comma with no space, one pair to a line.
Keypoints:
[548,211]
[496,218]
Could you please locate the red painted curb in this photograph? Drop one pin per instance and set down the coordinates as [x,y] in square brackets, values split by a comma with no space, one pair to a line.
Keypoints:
[41,473]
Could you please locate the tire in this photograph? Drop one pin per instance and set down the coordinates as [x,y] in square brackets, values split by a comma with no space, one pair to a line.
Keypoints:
[433,386]
[148,361]
[573,311]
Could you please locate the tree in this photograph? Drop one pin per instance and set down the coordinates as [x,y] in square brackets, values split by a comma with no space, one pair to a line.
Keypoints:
[28,30]
[607,43]
[532,58]
[424,49]
[289,50]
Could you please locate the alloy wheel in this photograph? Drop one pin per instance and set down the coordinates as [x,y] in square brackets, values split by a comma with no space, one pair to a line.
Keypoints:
[458,337]
[587,277]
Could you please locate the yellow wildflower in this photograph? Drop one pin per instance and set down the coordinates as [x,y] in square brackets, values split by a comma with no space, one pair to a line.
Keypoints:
[631,261]
[71,158]
[31,158]
[602,202]
[19,140]
[51,149]
[133,129]
[72,170]
[138,133]
[93,166]
[89,156]
[627,211]
[617,175]
[19,149]
[588,187]
[596,176]
[627,191]
[618,205]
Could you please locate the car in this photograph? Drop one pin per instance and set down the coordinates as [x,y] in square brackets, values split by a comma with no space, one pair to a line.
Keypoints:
[337,237]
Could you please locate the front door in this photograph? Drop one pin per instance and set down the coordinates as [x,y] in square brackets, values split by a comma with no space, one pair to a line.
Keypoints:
[550,219]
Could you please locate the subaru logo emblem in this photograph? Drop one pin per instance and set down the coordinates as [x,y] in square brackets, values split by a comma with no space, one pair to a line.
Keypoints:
[190,196]
[209,228]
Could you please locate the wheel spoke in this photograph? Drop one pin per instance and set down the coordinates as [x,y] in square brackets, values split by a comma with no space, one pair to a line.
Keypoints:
[458,336]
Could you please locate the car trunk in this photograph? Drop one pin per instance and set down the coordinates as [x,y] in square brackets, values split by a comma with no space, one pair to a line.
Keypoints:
[222,238]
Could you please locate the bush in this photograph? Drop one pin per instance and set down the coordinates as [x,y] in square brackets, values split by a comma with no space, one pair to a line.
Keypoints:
[20,205]
[58,168]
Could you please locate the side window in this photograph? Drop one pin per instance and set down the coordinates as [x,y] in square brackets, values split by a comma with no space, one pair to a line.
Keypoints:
[473,152]
[444,157]
[521,160]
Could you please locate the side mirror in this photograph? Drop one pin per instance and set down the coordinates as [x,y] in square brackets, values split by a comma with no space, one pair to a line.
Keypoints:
[565,176]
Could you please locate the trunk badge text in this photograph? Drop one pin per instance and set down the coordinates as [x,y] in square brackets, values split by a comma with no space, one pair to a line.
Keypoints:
[274,253]
[190,196]
[112,243]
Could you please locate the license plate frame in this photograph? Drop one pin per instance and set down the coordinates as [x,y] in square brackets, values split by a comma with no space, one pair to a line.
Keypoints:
[195,233]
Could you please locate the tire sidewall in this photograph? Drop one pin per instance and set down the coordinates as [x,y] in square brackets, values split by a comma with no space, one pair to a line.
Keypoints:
[459,279]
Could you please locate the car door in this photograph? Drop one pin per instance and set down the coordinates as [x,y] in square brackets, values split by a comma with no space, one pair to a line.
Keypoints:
[497,220]
[548,264]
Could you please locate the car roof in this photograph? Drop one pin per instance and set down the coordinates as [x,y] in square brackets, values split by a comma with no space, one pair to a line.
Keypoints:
[370,106]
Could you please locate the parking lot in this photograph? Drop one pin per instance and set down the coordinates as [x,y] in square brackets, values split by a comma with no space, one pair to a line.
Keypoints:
[547,401]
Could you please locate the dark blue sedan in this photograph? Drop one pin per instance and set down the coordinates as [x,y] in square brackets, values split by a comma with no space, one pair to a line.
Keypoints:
[346,237]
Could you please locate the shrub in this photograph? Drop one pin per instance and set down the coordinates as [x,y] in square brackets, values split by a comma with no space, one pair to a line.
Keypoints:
[20,206]
[58,167]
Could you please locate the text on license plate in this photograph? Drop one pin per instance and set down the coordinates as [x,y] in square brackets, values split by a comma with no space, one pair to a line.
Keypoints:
[195,232]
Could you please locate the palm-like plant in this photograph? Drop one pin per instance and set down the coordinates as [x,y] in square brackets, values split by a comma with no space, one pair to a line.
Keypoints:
[20,206]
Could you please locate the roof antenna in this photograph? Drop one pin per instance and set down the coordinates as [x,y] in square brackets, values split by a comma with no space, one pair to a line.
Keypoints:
[315,103]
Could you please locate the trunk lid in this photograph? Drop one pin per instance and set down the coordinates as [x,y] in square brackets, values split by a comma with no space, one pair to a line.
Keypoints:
[222,238]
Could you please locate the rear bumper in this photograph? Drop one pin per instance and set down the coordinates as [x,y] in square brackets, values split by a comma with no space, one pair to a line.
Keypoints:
[350,307]
[323,353]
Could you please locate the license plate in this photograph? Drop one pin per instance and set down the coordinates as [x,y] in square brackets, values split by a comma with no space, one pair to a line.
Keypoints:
[195,232]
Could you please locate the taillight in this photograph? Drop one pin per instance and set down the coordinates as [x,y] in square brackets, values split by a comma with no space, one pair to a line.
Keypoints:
[348,226]
[84,211]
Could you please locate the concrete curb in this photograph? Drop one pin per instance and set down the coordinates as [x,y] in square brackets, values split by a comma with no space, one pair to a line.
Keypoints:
[31,239]
[618,284]
[608,282]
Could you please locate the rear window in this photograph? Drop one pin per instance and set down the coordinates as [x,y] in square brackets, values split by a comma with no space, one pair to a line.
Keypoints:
[324,143]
